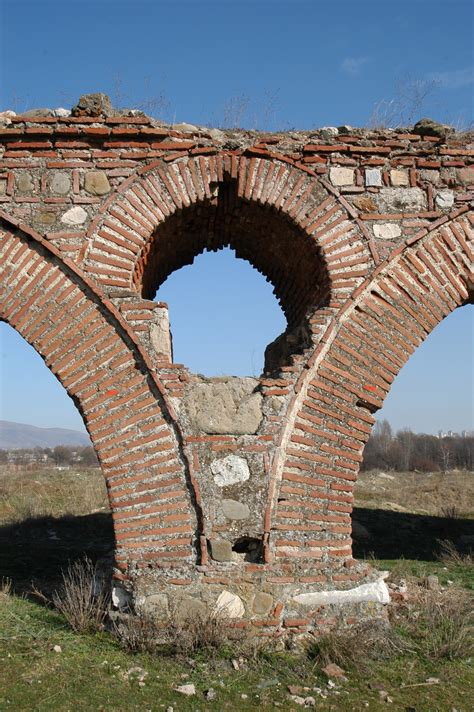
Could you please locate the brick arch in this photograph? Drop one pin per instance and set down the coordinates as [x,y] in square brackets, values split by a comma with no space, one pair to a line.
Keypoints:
[291,226]
[350,373]
[87,345]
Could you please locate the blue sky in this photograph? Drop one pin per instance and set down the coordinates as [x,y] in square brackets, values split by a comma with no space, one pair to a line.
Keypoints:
[276,64]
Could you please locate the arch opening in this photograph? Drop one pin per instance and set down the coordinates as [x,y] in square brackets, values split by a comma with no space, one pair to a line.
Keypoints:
[54,508]
[269,240]
[223,315]
[415,488]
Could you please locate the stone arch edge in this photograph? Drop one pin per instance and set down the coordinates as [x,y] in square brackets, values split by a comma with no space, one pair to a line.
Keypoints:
[131,341]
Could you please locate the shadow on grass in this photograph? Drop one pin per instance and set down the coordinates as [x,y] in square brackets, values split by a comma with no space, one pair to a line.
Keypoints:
[396,535]
[34,552]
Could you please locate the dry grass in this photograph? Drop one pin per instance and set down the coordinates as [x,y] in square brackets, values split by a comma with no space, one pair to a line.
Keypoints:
[5,588]
[181,635]
[354,648]
[440,624]
[26,494]
[434,494]
[83,599]
[138,633]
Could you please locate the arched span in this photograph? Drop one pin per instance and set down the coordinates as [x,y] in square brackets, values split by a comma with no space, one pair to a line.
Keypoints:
[86,344]
[350,374]
[280,218]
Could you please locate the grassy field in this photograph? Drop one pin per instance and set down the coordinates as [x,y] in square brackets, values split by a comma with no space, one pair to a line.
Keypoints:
[50,518]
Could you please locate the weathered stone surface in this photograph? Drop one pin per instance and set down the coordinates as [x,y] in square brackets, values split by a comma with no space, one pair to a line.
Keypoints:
[96,183]
[444,199]
[230,470]
[376,591]
[40,113]
[60,183]
[329,131]
[262,603]
[341,176]
[120,597]
[400,200]
[45,217]
[387,231]
[431,176]
[465,175]
[230,605]
[399,178]
[373,177]
[221,550]
[187,690]
[74,216]
[24,183]
[157,605]
[235,510]
[227,405]
[188,607]
[161,339]
[3,187]
[93,105]
[428,127]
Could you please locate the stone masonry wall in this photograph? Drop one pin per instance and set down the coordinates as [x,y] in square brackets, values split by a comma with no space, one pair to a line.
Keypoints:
[232,492]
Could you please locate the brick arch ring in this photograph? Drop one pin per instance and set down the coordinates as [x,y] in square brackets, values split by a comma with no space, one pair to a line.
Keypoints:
[94,354]
[316,255]
[347,378]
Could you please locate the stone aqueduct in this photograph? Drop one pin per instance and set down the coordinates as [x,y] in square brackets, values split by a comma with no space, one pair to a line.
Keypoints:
[229,490]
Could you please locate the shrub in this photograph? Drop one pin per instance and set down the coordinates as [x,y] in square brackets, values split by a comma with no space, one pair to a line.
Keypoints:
[82,599]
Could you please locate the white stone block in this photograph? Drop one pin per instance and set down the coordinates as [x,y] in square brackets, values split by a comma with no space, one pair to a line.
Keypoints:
[387,231]
[230,470]
[373,177]
[444,199]
[74,216]
[399,178]
[230,605]
[341,176]
[376,591]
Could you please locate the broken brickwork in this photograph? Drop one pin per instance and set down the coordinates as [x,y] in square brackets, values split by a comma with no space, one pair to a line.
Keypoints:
[233,491]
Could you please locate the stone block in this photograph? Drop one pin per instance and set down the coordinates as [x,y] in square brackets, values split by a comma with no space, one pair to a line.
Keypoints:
[96,183]
[93,105]
[230,470]
[341,176]
[157,605]
[24,183]
[401,200]
[399,178]
[230,605]
[387,231]
[60,183]
[430,176]
[373,177]
[221,550]
[262,603]
[188,607]
[74,216]
[235,510]
[444,199]
[228,405]
[465,175]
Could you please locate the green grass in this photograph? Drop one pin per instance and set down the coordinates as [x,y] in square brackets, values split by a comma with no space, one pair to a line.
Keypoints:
[91,674]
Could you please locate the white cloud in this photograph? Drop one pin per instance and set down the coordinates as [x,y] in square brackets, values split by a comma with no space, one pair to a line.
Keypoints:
[353,65]
[455,79]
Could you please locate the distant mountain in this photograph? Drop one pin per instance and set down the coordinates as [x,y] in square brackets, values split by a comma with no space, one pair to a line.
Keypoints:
[14,436]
